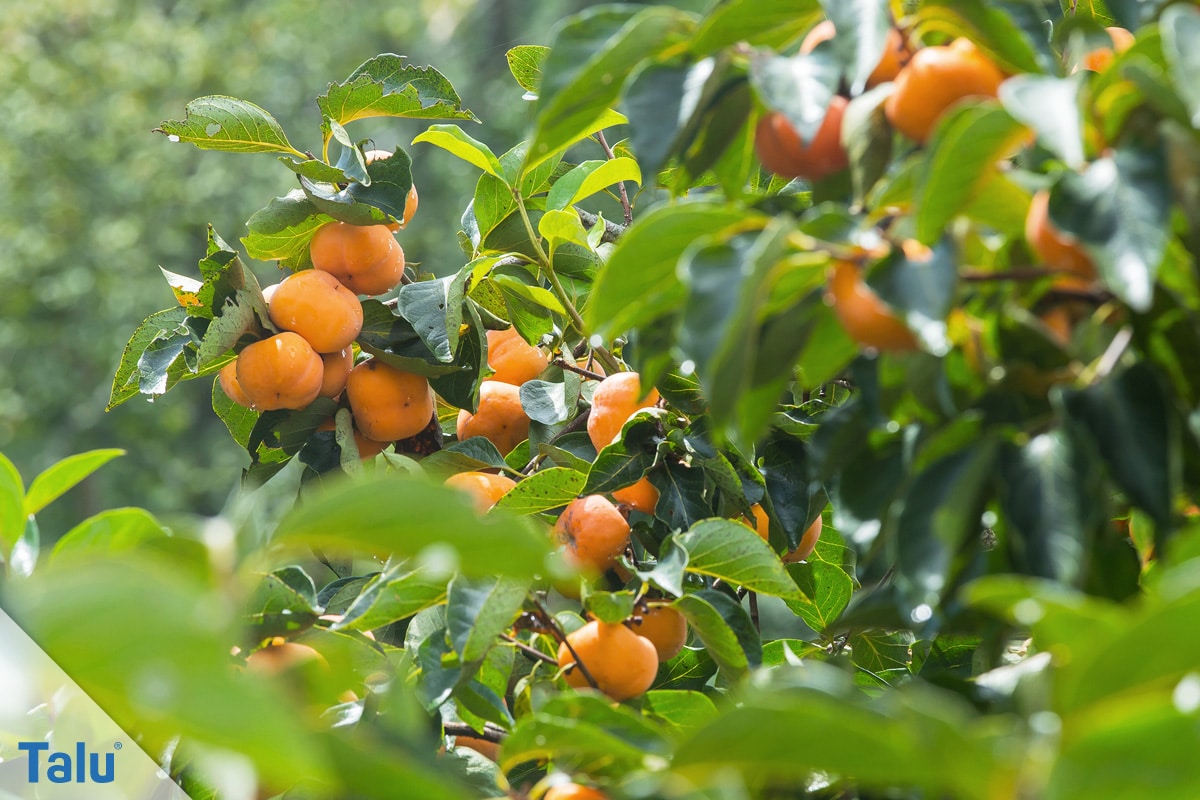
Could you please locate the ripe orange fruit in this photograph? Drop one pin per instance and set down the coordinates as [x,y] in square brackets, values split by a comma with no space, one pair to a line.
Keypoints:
[365,258]
[388,404]
[622,663]
[280,372]
[1055,248]
[315,305]
[484,487]
[488,750]
[890,61]
[337,370]
[808,542]
[1099,59]
[593,532]
[863,315]
[282,656]
[641,496]
[616,399]
[227,378]
[500,418]
[782,151]
[666,629]
[410,203]
[512,359]
[573,791]
[936,78]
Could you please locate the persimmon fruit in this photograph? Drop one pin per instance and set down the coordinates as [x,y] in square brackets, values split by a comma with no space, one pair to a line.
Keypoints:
[317,306]
[282,371]
[512,359]
[665,627]
[892,58]
[641,496]
[593,532]
[485,488]
[410,201]
[804,549]
[227,378]
[936,78]
[1056,248]
[782,151]
[337,370]
[1099,59]
[500,418]
[573,791]
[365,258]
[388,404]
[367,448]
[622,664]
[617,398]
[865,317]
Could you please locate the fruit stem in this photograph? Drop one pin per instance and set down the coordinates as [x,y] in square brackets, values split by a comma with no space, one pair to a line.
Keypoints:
[532,652]
[625,207]
[559,636]
[610,362]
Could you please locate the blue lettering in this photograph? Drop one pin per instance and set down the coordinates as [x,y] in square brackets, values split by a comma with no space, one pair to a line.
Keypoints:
[59,768]
[33,749]
[107,775]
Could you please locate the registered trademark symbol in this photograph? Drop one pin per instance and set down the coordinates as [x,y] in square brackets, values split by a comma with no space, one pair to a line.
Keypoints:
[118,746]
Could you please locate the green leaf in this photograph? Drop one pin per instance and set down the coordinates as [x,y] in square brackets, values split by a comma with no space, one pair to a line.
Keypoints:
[921,287]
[393,339]
[224,123]
[725,629]
[1050,106]
[282,231]
[583,729]
[479,610]
[389,513]
[771,23]
[1014,34]
[12,506]
[152,376]
[551,402]
[525,64]
[1120,209]
[965,148]
[862,28]
[544,490]
[386,86]
[434,309]
[681,711]
[391,596]
[58,479]
[826,591]
[452,139]
[591,56]
[589,178]
[611,607]
[883,657]
[1180,25]
[800,87]
[562,227]
[639,283]
[722,548]
[1130,420]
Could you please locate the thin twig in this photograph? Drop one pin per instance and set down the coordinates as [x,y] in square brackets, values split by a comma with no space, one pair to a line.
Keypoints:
[572,426]
[557,632]
[491,733]
[625,207]
[532,652]
[569,367]
[754,610]
[1116,349]
[1014,274]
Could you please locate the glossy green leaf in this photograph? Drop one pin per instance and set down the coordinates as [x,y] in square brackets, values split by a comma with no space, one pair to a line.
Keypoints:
[454,140]
[722,548]
[224,123]
[386,86]
[12,506]
[583,729]
[282,231]
[59,478]
[725,629]
[826,591]
[589,178]
[681,711]
[479,610]
[525,64]
[392,596]
[544,490]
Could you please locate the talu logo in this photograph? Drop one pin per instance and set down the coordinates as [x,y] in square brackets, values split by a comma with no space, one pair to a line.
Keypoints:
[61,767]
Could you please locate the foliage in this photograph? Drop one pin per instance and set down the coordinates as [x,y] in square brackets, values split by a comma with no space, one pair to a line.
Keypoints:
[1007,491]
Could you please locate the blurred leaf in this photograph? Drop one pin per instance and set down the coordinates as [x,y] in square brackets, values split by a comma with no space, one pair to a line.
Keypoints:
[112,532]
[1180,26]
[922,287]
[584,730]
[799,87]
[725,629]
[525,63]
[772,23]
[544,490]
[1120,209]
[996,27]
[862,28]
[385,86]
[452,139]
[722,548]
[24,556]
[1050,106]
[227,123]
[479,610]
[611,607]
[396,514]
[681,711]
[59,478]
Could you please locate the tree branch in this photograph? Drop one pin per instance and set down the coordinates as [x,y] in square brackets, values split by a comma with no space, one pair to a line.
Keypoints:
[628,209]
[612,230]
[491,733]
[532,652]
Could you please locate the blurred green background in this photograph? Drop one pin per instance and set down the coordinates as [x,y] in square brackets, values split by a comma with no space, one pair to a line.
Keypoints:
[94,202]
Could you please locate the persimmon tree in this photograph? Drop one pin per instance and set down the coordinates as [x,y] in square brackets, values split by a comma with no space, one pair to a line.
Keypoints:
[918,279]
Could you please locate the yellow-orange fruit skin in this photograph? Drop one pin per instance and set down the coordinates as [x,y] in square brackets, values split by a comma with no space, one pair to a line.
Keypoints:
[782,151]
[641,496]
[666,629]
[573,791]
[337,370]
[485,488]
[282,371]
[366,259]
[593,532]
[808,542]
[1054,247]
[410,203]
[616,399]
[512,359]
[488,750]
[622,663]
[315,305]
[277,658]
[863,315]
[388,404]
[500,417]
[1099,59]
[890,60]
[934,79]
[227,378]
